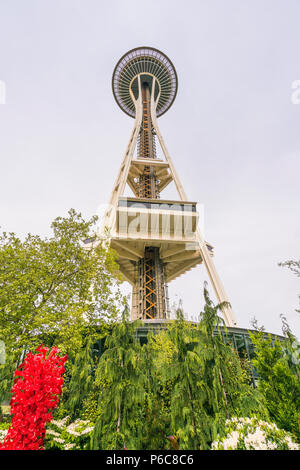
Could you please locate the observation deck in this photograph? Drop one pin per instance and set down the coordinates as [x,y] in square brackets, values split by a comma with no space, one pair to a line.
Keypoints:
[169,225]
[152,63]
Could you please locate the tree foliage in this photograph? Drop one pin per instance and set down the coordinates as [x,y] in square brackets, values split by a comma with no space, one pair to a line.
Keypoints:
[180,386]
[81,379]
[54,290]
[209,382]
[278,369]
[294,267]
[157,357]
[123,394]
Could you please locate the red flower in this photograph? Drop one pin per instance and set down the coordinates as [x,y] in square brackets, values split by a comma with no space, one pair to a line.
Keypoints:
[36,391]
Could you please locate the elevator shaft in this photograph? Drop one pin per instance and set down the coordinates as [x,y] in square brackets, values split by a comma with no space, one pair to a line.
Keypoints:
[151,289]
[148,184]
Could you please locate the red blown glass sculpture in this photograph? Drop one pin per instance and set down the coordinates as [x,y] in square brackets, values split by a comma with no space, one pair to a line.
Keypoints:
[37,387]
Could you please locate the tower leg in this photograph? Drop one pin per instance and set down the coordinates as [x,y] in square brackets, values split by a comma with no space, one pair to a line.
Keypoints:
[229,316]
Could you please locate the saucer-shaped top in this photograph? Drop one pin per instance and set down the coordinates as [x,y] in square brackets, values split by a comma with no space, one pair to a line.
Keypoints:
[148,61]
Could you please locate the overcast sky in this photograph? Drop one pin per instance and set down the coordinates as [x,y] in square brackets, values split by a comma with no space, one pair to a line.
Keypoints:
[233,131]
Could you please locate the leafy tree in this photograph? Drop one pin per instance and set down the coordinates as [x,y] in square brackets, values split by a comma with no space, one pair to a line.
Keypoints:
[81,379]
[209,382]
[189,420]
[54,290]
[121,399]
[6,375]
[157,356]
[293,266]
[278,369]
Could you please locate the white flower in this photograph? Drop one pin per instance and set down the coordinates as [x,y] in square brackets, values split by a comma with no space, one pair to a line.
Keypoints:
[272,445]
[291,445]
[69,446]
[87,430]
[256,440]
[60,441]
[254,434]
[53,433]
[74,433]
[77,428]
[232,440]
[61,423]
[3,433]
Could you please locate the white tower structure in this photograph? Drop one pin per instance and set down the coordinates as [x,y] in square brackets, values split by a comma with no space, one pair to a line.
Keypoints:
[157,240]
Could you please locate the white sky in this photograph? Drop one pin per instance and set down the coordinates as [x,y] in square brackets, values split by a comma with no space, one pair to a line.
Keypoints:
[233,132]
